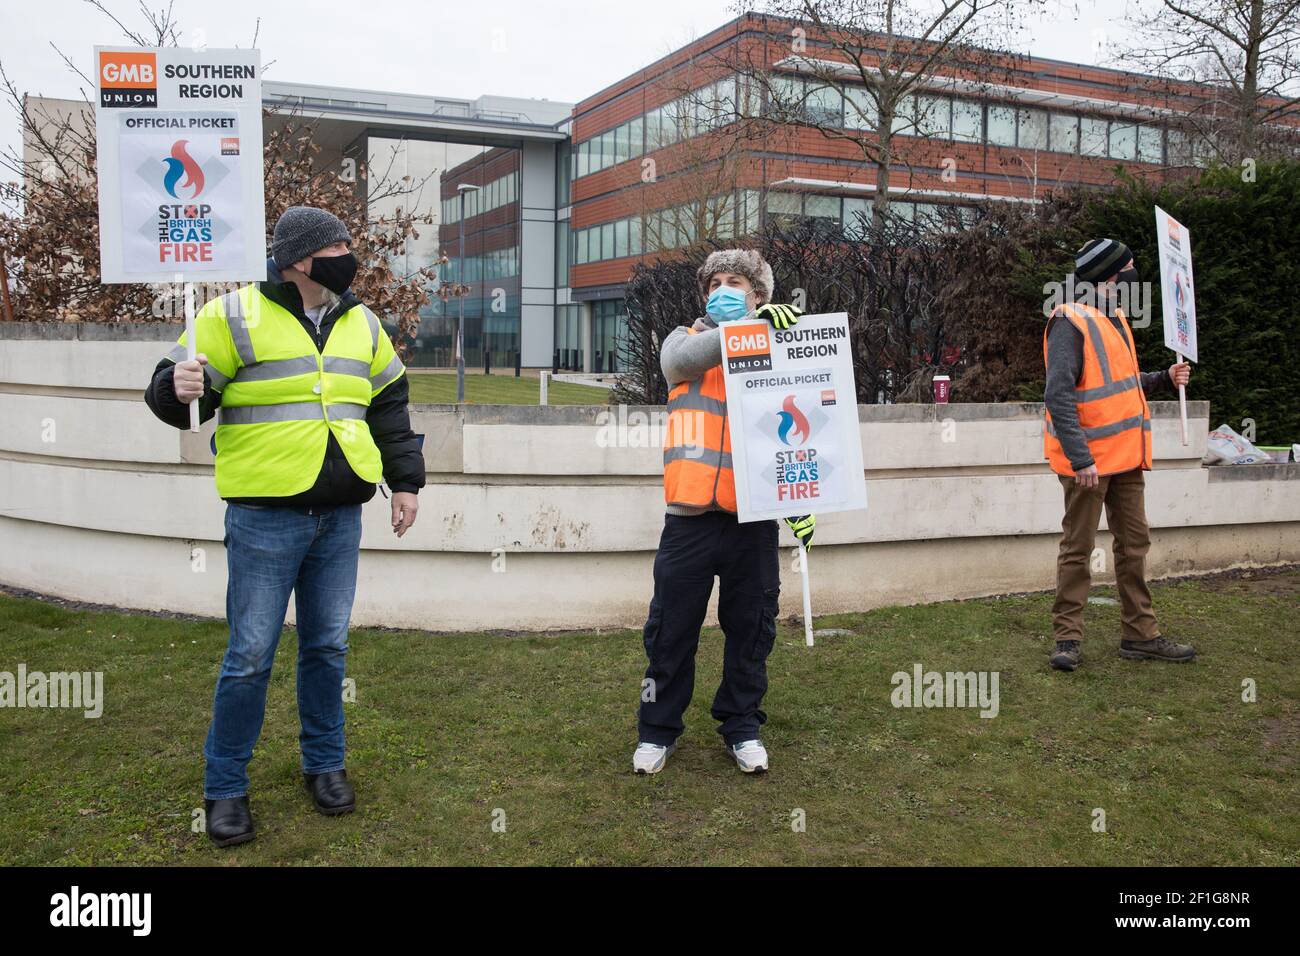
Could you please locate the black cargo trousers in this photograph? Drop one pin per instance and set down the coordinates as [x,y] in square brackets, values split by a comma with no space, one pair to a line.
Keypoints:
[744,557]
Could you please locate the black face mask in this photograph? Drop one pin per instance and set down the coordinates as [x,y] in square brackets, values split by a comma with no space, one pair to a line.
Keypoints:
[334,272]
[1127,289]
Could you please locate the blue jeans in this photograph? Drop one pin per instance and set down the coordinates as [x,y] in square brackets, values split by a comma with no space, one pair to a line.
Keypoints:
[270,552]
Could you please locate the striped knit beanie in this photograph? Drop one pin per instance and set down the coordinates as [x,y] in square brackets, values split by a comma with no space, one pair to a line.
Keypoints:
[1100,259]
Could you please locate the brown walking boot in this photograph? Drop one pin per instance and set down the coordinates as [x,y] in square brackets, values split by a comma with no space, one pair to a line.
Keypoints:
[1160,649]
[1067,656]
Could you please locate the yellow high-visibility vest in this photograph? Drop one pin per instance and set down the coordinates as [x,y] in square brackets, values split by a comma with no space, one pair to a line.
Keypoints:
[281,398]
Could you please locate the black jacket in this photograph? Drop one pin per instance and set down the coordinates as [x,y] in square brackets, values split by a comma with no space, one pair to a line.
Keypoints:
[337,484]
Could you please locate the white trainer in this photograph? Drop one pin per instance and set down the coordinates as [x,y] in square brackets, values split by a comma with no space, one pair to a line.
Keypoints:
[650,758]
[750,755]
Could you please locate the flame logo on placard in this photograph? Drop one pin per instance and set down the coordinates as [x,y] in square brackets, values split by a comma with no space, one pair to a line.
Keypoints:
[792,420]
[179,164]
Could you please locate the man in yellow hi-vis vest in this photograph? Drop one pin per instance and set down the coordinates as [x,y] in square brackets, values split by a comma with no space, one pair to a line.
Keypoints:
[311,406]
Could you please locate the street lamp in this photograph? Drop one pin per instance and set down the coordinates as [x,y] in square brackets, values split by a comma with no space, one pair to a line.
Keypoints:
[463,188]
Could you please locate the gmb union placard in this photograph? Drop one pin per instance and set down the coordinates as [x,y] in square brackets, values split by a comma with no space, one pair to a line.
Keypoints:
[796,448]
[180,164]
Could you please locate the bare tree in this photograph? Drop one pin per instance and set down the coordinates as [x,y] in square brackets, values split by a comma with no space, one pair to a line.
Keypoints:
[1245,54]
[702,137]
[849,68]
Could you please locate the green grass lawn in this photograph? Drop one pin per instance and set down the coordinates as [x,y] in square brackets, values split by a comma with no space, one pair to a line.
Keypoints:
[446,730]
[502,389]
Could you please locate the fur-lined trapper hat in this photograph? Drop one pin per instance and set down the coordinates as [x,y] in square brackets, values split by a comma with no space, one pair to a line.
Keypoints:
[741,262]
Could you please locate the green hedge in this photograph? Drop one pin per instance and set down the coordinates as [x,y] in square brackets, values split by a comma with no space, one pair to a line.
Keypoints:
[1246,259]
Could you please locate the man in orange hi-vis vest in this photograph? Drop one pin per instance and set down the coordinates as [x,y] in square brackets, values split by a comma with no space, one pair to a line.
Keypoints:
[1097,438]
[702,537]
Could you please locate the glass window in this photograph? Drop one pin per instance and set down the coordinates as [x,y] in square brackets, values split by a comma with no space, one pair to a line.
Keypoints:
[620,239]
[785,96]
[1180,148]
[593,244]
[1149,145]
[607,241]
[1002,126]
[584,158]
[1092,136]
[672,128]
[723,217]
[905,116]
[1123,140]
[822,207]
[637,127]
[928,213]
[1031,129]
[783,210]
[825,106]
[562,252]
[859,109]
[967,121]
[652,130]
[785,203]
[1203,151]
[934,114]
[857,217]
[1065,133]
[903,210]
[634,236]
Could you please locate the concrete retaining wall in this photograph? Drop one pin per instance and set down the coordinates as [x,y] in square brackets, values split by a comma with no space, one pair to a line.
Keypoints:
[548,517]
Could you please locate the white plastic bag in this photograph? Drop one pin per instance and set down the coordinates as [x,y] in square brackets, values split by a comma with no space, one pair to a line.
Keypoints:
[1226,447]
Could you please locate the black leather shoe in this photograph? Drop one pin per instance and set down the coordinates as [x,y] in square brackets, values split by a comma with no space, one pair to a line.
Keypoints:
[229,821]
[331,792]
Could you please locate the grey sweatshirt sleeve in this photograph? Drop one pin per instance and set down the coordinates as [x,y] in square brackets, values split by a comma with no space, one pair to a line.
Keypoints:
[1064,365]
[685,357]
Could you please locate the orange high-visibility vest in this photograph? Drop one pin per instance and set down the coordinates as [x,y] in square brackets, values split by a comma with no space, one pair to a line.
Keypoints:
[1113,409]
[697,444]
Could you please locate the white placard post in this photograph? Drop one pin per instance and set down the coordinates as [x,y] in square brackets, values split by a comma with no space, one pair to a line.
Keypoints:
[179,155]
[1178,296]
[796,446]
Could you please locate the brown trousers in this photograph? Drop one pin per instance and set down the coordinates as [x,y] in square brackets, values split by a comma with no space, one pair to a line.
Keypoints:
[1122,495]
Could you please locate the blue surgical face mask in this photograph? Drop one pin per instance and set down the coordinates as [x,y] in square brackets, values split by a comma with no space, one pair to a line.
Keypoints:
[727,304]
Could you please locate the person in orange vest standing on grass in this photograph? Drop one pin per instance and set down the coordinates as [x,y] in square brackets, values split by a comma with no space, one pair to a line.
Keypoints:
[1097,438]
[702,537]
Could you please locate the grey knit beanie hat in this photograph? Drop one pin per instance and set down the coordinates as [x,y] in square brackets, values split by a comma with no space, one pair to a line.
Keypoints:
[741,262]
[302,230]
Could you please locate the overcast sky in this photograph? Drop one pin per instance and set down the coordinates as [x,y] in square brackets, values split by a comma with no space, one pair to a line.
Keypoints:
[557,49]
